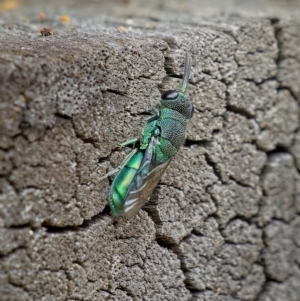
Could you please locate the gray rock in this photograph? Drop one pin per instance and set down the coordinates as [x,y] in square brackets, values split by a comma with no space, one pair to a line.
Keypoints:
[223,224]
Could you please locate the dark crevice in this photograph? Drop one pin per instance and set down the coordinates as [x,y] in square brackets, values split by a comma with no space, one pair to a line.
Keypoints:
[189,143]
[154,19]
[240,183]
[237,217]
[22,226]
[103,159]
[196,291]
[273,78]
[277,31]
[197,232]
[282,88]
[115,92]
[277,219]
[214,166]
[239,111]
[13,250]
[278,150]
[281,150]
[103,290]
[88,140]
[18,286]
[263,81]
[83,139]
[269,279]
[145,113]
[169,62]
[274,20]
[165,243]
[127,291]
[59,230]
[107,157]
[172,75]
[63,116]
[231,34]
[106,210]
[173,247]
[94,220]
[87,224]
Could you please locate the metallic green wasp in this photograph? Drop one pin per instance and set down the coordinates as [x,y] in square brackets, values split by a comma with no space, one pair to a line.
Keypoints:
[160,140]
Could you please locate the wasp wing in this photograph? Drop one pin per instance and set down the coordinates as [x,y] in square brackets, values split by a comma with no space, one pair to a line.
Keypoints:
[146,179]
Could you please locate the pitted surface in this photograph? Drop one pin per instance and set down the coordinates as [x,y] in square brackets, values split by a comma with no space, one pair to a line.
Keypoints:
[224,222]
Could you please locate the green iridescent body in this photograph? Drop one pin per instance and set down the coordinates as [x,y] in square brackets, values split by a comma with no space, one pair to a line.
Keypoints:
[160,140]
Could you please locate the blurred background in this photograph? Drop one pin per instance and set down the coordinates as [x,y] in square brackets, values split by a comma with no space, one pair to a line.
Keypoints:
[146,8]
[94,15]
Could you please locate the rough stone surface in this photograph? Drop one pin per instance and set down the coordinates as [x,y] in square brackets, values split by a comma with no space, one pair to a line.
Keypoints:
[224,222]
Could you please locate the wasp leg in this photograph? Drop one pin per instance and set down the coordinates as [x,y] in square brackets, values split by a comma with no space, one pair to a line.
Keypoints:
[130,142]
[155,117]
[155,111]
[112,172]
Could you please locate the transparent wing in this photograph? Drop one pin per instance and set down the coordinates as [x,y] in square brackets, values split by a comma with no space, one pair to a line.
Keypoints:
[145,181]
[187,71]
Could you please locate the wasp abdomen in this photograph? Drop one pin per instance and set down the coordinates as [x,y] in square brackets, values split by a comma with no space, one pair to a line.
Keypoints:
[122,182]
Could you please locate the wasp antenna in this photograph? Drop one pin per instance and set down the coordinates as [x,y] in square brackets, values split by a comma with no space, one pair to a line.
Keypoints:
[187,71]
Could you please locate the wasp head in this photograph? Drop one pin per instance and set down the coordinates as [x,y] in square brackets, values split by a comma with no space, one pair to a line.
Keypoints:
[179,102]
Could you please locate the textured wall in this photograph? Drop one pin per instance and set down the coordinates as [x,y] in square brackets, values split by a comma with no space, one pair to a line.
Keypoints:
[224,222]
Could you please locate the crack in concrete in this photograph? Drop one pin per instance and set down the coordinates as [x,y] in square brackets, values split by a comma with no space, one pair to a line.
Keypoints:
[268,280]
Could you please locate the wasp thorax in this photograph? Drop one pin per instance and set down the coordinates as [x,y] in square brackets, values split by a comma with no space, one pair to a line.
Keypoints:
[179,102]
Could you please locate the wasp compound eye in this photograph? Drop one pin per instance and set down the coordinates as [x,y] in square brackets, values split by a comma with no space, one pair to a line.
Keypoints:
[171,94]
